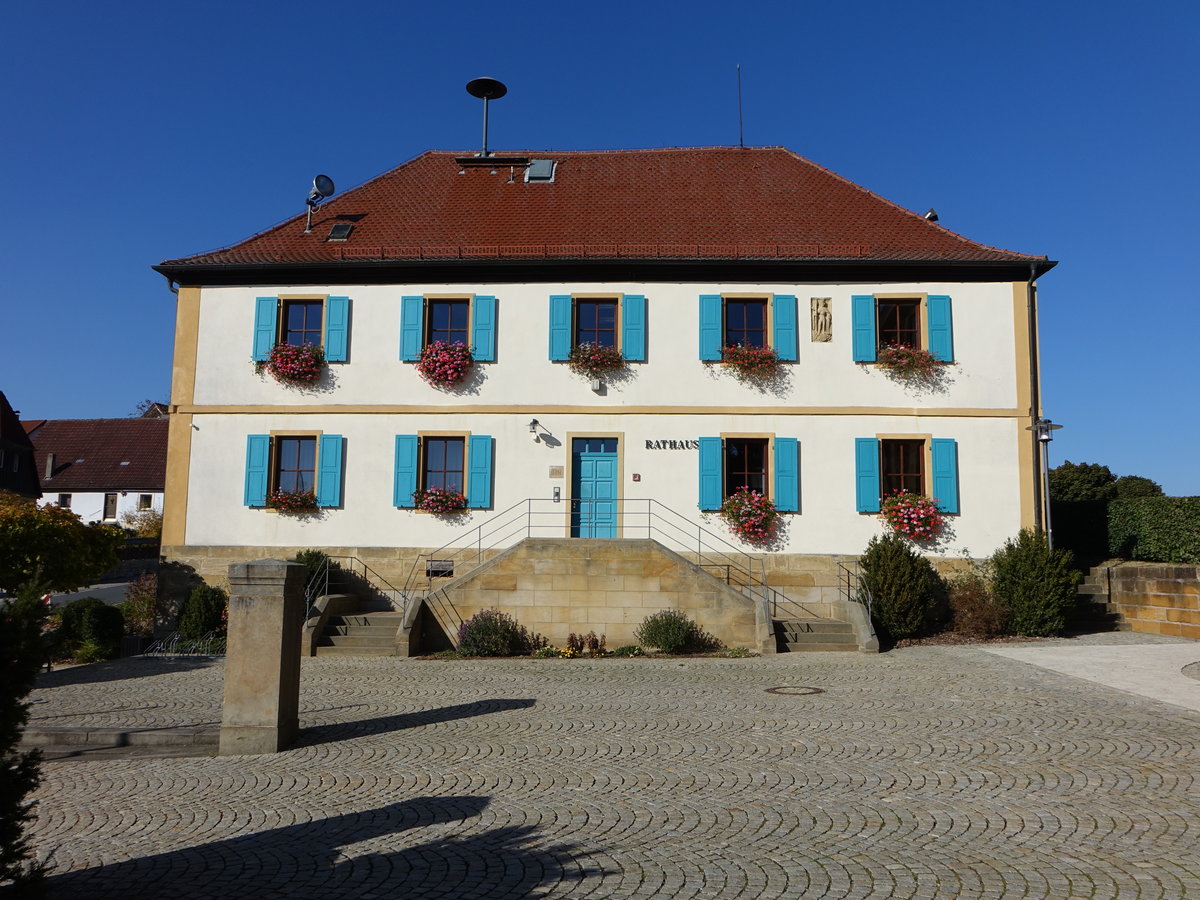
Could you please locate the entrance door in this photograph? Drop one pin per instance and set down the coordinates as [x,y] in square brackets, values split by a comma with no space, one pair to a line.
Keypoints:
[594,487]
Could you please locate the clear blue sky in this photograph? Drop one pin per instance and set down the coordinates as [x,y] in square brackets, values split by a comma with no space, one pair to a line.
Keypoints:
[141,131]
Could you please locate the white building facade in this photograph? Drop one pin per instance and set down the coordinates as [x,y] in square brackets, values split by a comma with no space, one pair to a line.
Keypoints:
[674,430]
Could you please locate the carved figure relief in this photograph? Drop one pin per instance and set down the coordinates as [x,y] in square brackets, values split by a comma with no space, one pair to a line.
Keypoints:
[822,319]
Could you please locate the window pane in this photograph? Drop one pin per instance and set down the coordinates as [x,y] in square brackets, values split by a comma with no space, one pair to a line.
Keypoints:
[443,464]
[745,465]
[296,463]
[745,323]
[902,466]
[899,323]
[596,322]
[302,322]
[448,321]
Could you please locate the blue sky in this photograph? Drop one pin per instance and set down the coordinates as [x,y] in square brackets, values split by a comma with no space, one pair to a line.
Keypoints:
[142,131]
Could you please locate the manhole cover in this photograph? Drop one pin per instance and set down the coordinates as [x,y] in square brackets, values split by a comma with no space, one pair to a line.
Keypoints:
[795,690]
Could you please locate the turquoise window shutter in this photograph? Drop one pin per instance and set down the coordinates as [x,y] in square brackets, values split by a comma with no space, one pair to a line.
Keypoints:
[862,326]
[483,328]
[941,327]
[787,474]
[785,329]
[337,328]
[412,317]
[479,471]
[710,328]
[329,470]
[560,327]
[258,466]
[265,311]
[406,471]
[710,473]
[866,473]
[945,473]
[633,327]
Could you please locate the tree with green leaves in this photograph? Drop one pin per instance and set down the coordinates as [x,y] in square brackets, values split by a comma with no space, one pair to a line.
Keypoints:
[1130,487]
[51,544]
[1082,481]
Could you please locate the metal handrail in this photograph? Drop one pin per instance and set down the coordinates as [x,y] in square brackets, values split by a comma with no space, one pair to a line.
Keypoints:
[353,567]
[853,586]
[526,518]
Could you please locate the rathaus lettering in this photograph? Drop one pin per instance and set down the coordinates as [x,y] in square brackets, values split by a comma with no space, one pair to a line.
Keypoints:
[673,445]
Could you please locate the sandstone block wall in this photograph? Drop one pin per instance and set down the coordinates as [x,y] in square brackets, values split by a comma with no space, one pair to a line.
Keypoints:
[1157,599]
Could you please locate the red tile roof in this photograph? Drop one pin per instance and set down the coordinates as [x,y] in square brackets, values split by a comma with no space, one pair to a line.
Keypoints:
[667,204]
[102,454]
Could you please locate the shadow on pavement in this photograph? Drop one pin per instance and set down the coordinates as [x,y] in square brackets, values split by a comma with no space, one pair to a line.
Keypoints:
[124,669]
[340,731]
[305,860]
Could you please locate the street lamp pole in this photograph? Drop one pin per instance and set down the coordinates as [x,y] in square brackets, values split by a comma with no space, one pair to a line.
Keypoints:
[1044,430]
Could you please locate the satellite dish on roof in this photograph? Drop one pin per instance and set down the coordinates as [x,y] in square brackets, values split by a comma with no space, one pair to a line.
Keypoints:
[322,189]
[486,89]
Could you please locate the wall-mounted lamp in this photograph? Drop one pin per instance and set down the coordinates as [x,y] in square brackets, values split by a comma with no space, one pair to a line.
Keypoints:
[533,426]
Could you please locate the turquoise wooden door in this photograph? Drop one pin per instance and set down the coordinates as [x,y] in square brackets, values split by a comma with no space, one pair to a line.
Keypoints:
[594,487]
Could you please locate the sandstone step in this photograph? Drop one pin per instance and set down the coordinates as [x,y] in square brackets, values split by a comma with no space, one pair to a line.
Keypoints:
[820,648]
[324,650]
[1091,589]
[358,640]
[365,630]
[803,635]
[813,626]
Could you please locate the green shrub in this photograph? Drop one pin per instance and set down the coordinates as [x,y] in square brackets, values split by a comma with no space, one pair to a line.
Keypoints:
[1155,529]
[493,633]
[1082,481]
[629,650]
[975,611]
[1130,487]
[141,605]
[90,621]
[21,656]
[203,612]
[671,631]
[908,596]
[1036,584]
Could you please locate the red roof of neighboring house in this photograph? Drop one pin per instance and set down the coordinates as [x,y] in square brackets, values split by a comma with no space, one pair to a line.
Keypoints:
[102,454]
[667,204]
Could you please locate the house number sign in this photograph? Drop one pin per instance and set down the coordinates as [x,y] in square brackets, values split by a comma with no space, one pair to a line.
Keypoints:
[673,445]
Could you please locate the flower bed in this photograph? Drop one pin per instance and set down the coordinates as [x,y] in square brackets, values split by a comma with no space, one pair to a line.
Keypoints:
[909,364]
[294,364]
[443,364]
[439,500]
[751,516]
[595,360]
[292,501]
[755,363]
[912,516]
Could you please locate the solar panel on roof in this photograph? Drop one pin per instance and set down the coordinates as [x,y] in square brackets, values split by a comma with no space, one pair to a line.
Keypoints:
[340,231]
[540,170]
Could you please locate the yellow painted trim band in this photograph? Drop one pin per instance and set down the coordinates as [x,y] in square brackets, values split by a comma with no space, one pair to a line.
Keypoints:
[479,409]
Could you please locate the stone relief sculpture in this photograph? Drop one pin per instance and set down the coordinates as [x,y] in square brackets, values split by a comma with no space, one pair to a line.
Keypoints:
[822,319]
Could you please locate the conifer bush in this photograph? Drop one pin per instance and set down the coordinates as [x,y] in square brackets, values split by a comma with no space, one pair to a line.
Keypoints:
[203,612]
[672,631]
[493,633]
[91,629]
[908,595]
[1036,584]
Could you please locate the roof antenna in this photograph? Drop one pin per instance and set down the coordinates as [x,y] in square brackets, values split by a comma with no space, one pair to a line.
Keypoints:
[486,89]
[322,189]
[741,143]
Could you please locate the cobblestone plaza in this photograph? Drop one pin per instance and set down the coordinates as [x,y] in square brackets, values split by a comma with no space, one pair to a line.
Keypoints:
[926,772]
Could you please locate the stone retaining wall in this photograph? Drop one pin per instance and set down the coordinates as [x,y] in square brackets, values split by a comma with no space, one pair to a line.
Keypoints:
[1156,599]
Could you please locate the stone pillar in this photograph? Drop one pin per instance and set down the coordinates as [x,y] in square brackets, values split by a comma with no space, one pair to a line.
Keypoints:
[261,712]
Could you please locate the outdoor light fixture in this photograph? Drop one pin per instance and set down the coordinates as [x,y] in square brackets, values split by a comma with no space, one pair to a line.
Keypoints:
[533,426]
[1043,429]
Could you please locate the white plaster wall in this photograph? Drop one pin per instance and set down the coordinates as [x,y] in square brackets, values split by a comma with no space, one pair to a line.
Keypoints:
[983,375]
[90,506]
[827,522]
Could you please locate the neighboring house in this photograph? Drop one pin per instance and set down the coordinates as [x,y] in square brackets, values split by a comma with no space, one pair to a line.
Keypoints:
[17,471]
[666,255]
[101,469]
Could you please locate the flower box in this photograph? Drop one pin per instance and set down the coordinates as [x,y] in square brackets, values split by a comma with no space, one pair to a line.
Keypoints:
[439,500]
[294,364]
[912,516]
[292,501]
[751,516]
[595,360]
[753,363]
[444,364]
[909,364]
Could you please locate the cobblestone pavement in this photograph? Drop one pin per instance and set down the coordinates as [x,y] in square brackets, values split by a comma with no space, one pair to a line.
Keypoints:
[927,772]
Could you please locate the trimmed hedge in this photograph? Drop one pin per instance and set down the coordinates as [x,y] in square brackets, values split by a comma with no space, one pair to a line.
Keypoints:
[1149,529]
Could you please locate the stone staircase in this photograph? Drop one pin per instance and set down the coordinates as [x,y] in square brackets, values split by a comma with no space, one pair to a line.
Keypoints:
[362,634]
[1094,610]
[809,635]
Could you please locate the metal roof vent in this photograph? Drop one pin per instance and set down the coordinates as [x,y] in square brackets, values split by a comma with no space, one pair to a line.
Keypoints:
[540,170]
[340,231]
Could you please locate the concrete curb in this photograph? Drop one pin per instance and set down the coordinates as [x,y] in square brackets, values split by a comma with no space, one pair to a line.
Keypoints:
[206,737]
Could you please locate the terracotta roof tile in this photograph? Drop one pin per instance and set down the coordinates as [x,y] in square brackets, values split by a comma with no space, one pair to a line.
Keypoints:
[674,204]
[102,454]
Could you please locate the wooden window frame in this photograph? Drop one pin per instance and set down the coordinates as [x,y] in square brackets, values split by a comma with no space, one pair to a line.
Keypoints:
[273,471]
[921,300]
[423,440]
[427,314]
[285,300]
[768,438]
[765,300]
[925,456]
[614,299]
